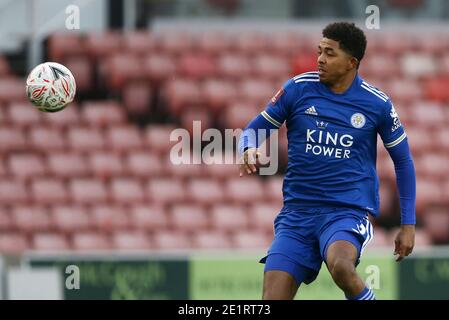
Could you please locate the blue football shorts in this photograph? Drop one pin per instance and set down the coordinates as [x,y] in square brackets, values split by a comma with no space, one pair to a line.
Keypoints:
[302,237]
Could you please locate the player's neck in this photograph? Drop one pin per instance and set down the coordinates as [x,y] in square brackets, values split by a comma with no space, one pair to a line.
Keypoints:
[343,83]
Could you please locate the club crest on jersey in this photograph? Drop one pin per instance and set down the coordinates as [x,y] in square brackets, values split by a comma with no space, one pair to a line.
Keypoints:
[321,124]
[358,120]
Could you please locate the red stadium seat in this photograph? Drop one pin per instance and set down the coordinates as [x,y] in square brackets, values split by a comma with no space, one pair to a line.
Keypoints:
[124,138]
[211,240]
[23,114]
[13,192]
[13,243]
[49,191]
[427,193]
[234,66]
[131,240]
[272,67]
[418,64]
[6,223]
[85,139]
[102,113]
[46,138]
[127,191]
[81,68]
[4,67]
[405,91]
[103,44]
[12,139]
[105,164]
[436,222]
[67,164]
[304,62]
[175,42]
[65,44]
[229,218]
[137,98]
[87,191]
[189,217]
[257,91]
[239,114]
[159,68]
[122,68]
[143,164]
[419,140]
[157,138]
[25,166]
[274,189]
[428,114]
[218,93]
[442,138]
[214,42]
[205,191]
[379,65]
[380,239]
[262,215]
[436,89]
[50,242]
[12,89]
[434,166]
[165,190]
[68,117]
[88,241]
[149,217]
[31,218]
[71,219]
[204,118]
[250,240]
[196,66]
[251,43]
[182,93]
[140,42]
[244,189]
[109,218]
[172,240]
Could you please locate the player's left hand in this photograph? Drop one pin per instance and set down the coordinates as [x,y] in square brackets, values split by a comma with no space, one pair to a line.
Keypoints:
[404,242]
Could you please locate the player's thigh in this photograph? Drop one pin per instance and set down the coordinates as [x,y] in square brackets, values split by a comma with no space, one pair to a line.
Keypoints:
[279,285]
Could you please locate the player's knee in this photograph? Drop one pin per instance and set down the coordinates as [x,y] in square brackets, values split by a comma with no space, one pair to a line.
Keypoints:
[278,285]
[342,270]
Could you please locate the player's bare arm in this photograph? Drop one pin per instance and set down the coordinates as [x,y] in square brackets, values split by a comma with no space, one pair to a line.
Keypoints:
[404,242]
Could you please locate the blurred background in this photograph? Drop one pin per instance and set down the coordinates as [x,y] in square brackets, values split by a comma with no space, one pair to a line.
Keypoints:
[93,186]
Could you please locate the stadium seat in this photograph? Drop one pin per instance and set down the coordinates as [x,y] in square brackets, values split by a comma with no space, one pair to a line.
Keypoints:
[165,190]
[6,223]
[217,94]
[404,91]
[257,91]
[102,113]
[137,98]
[205,191]
[130,241]
[27,165]
[87,191]
[139,42]
[158,68]
[13,243]
[103,44]
[234,66]
[189,217]
[175,43]
[46,138]
[244,189]
[12,139]
[23,114]
[65,44]
[251,43]
[436,89]
[182,93]
[229,217]
[250,240]
[12,90]
[88,241]
[428,115]
[70,219]
[85,139]
[262,215]
[196,66]
[13,192]
[427,193]
[49,241]
[126,191]
[304,62]
[67,164]
[157,138]
[107,218]
[124,138]
[272,67]
[143,164]
[48,191]
[31,218]
[172,240]
[436,222]
[188,167]
[196,114]
[149,217]
[214,43]
[105,164]
[81,68]
[239,114]
[378,65]
[380,239]
[210,240]
[434,166]
[70,116]
[274,189]
[418,65]
[4,67]
[120,69]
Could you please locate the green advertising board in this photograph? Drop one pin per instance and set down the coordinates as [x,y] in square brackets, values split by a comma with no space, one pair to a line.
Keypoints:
[424,278]
[240,277]
[123,279]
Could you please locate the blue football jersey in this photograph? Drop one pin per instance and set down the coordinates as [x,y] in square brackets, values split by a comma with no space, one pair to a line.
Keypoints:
[332,141]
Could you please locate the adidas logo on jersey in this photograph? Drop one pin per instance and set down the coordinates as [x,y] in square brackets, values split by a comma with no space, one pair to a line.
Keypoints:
[311,111]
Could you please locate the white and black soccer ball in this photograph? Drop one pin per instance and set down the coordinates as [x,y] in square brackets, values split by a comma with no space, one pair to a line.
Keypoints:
[50,87]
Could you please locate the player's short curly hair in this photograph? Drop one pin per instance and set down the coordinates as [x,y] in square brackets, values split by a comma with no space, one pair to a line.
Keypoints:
[351,38]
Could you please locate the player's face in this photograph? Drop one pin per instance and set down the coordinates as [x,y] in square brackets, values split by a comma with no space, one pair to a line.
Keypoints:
[333,62]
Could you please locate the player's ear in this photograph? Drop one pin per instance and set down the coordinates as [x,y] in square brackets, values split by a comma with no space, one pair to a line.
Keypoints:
[353,63]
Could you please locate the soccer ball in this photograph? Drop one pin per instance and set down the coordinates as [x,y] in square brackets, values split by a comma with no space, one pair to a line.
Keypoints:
[50,87]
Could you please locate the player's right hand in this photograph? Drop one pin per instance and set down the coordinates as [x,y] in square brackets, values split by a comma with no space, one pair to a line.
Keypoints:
[248,162]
